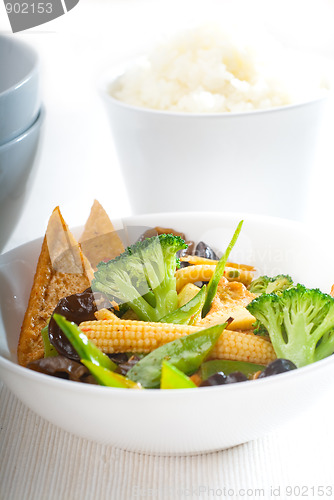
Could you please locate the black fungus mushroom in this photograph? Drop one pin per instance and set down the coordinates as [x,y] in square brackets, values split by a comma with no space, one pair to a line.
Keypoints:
[76,308]
[205,251]
[62,367]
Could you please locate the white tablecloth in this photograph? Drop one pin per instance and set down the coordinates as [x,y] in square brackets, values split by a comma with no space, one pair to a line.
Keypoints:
[40,461]
[77,164]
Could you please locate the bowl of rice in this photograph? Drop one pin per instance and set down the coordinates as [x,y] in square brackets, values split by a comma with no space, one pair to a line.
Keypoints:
[207,116]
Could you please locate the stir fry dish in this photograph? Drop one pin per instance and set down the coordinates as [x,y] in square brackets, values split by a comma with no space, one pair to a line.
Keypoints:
[164,312]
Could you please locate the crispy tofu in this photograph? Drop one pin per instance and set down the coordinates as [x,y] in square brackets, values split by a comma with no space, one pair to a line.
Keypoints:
[99,240]
[62,270]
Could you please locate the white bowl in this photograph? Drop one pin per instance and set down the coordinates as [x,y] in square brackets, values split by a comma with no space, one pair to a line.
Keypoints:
[20,99]
[256,161]
[174,421]
[18,166]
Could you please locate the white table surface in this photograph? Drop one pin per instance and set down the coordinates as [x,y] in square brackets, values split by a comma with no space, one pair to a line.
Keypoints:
[77,164]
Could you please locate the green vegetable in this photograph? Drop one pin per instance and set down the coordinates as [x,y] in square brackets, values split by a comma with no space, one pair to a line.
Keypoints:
[219,271]
[226,366]
[300,323]
[143,276]
[49,350]
[184,314]
[172,378]
[109,378]
[86,349]
[264,284]
[234,273]
[186,353]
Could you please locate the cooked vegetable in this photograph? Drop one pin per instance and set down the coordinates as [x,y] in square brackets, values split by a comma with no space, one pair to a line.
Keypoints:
[186,353]
[185,314]
[187,293]
[240,346]
[172,378]
[219,271]
[109,378]
[49,350]
[275,284]
[300,322]
[226,366]
[204,272]
[143,276]
[116,335]
[193,274]
[84,347]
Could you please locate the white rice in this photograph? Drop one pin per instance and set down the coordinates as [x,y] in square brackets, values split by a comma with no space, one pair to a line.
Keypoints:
[206,70]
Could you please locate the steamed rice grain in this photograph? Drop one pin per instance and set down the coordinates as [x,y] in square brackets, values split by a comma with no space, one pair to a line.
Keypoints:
[204,70]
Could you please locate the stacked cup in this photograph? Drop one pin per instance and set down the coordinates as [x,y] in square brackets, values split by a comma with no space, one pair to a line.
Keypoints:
[21,116]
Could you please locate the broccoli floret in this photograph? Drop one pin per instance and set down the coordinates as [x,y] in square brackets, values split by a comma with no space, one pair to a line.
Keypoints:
[259,285]
[265,284]
[143,276]
[300,323]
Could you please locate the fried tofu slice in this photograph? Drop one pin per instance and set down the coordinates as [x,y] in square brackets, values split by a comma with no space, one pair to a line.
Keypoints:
[62,270]
[100,240]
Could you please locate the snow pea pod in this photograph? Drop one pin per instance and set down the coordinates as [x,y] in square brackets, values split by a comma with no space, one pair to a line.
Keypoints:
[219,271]
[227,366]
[172,378]
[86,349]
[108,378]
[49,350]
[184,314]
[186,353]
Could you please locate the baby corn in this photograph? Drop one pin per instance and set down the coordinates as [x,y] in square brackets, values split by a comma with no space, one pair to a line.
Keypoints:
[204,272]
[240,346]
[192,274]
[118,335]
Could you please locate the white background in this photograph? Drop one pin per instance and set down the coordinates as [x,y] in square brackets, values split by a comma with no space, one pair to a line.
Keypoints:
[78,163]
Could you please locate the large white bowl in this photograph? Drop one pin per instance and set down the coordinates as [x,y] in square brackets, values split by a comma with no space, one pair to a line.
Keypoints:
[20,99]
[258,161]
[175,421]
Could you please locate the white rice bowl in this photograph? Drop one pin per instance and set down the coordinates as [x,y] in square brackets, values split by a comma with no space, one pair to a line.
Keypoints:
[207,70]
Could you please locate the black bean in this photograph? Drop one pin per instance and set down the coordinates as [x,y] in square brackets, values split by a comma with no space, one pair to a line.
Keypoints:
[280,365]
[216,379]
[235,377]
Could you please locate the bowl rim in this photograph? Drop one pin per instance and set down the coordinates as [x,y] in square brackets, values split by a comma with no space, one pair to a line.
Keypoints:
[31,73]
[89,389]
[109,77]
[36,124]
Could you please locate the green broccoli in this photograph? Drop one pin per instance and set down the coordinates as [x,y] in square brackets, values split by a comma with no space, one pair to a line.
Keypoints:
[143,276]
[264,284]
[300,323]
